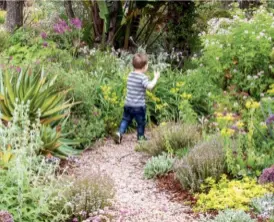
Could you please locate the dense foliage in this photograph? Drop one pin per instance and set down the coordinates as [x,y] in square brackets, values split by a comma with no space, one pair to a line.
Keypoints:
[63,82]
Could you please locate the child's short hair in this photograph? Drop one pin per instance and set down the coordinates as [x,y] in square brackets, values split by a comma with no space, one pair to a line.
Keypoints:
[139,60]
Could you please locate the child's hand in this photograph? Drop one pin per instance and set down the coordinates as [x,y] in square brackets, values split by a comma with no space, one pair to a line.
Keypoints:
[156,74]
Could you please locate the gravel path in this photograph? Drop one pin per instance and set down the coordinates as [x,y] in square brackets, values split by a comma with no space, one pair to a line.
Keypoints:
[136,199]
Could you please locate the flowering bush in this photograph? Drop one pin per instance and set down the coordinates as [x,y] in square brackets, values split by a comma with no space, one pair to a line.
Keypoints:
[267,176]
[88,194]
[234,194]
[68,34]
[206,159]
[236,59]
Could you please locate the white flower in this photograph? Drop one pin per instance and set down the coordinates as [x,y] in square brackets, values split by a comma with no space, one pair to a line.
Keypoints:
[201,65]
[262,95]
[236,104]
[255,77]
[262,34]
[249,77]
[246,31]
[217,58]
[269,38]
[253,33]
[209,94]
[258,37]
[244,97]
[235,70]
[270,66]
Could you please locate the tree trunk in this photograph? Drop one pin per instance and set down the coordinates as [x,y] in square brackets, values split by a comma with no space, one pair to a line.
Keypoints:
[69,10]
[98,23]
[3,5]
[15,15]
[113,21]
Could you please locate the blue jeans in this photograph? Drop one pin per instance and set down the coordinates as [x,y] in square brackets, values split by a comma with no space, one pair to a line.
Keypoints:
[137,113]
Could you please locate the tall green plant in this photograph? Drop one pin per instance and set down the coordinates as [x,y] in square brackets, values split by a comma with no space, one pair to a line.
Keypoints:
[34,87]
[29,189]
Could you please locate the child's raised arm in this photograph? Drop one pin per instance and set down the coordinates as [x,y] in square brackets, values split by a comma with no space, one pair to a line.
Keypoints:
[152,83]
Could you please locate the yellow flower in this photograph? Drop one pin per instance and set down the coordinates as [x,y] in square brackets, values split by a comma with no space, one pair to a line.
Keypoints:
[174,90]
[186,96]
[227,132]
[218,114]
[159,106]
[252,104]
[180,84]
[227,117]
[239,124]
[255,105]
[248,104]
[163,124]
[152,97]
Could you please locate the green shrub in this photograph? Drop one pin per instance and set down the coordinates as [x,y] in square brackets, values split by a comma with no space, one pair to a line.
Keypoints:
[236,52]
[86,130]
[264,206]
[3,40]
[206,159]
[2,16]
[230,215]
[158,166]
[234,194]
[171,137]
[29,187]
[89,193]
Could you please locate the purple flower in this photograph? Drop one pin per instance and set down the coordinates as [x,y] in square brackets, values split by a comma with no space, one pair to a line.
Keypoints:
[267,175]
[61,27]
[18,69]
[44,35]
[76,22]
[45,44]
[270,119]
[75,219]
[235,128]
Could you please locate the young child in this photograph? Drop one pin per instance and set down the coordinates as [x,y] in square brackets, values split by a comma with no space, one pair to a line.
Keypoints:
[135,104]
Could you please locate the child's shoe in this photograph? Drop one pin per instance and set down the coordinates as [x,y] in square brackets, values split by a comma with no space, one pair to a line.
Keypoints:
[142,139]
[117,138]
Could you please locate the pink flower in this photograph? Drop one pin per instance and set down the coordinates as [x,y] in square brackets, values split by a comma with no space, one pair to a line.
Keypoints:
[44,35]
[76,22]
[61,27]
[45,44]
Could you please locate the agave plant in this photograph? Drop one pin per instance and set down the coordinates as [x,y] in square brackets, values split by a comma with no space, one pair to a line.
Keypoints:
[33,87]
[56,144]
[43,97]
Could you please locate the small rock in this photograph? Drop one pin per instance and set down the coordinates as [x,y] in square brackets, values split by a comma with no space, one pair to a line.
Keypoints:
[101,212]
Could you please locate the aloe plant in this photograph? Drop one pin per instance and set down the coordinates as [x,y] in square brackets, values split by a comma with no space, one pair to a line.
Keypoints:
[33,87]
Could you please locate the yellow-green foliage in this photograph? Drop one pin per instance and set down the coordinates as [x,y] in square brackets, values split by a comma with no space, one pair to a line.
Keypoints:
[234,194]
[2,16]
